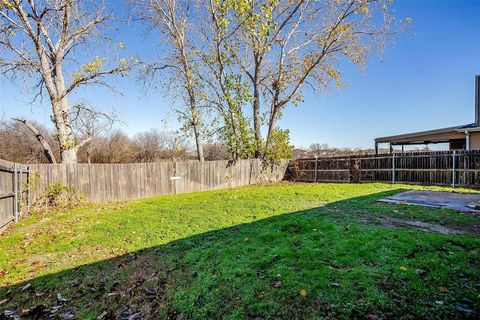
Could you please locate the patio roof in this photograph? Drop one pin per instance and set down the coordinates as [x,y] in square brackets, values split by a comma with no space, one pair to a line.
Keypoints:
[430,136]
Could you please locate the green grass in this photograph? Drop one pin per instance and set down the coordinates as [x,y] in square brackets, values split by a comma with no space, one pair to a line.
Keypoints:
[289,251]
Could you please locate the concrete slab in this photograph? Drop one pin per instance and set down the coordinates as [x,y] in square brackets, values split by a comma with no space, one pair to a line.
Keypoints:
[465,202]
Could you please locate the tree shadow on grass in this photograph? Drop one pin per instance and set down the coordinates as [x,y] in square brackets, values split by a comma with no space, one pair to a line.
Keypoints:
[317,263]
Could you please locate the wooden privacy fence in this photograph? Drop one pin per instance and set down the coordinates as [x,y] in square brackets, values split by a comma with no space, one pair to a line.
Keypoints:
[13,196]
[108,182]
[445,168]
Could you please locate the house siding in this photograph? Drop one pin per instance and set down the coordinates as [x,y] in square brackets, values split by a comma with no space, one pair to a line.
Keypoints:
[475,141]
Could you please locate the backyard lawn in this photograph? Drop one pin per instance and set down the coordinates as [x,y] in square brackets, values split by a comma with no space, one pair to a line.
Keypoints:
[284,251]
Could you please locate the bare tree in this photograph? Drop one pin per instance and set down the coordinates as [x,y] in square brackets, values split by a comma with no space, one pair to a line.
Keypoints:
[172,18]
[88,123]
[42,38]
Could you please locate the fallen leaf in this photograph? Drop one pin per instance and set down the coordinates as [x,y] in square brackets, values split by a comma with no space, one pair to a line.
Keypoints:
[403,268]
[443,289]
[303,292]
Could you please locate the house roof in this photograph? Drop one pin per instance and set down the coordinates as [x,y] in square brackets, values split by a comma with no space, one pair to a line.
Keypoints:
[436,135]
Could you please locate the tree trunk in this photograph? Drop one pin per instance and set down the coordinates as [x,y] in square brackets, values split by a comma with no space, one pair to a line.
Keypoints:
[193,102]
[271,127]
[69,155]
[196,132]
[66,138]
[257,121]
[256,111]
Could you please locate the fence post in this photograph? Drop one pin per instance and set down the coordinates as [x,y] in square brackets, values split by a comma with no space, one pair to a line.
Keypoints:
[15,192]
[28,188]
[20,191]
[393,168]
[350,169]
[454,156]
[316,167]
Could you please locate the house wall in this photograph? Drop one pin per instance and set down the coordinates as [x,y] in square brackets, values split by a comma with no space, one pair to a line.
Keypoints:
[475,141]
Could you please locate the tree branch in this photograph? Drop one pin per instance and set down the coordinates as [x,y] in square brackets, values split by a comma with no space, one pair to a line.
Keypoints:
[47,150]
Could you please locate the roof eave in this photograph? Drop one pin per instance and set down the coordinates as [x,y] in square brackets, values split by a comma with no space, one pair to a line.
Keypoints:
[460,128]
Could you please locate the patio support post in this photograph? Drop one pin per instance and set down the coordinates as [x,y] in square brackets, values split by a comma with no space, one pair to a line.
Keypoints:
[316,167]
[467,140]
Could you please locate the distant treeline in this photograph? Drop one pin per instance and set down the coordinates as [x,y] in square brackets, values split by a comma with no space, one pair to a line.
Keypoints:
[18,144]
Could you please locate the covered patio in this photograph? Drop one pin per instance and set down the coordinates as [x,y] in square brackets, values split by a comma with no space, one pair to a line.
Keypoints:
[466,137]
[462,137]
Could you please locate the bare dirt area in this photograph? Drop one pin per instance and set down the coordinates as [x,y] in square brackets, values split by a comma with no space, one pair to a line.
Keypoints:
[398,223]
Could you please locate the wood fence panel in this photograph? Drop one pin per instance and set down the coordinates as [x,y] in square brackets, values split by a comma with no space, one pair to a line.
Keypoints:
[13,193]
[108,182]
[429,168]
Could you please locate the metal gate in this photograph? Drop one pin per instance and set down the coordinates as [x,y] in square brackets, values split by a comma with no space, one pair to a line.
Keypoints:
[14,195]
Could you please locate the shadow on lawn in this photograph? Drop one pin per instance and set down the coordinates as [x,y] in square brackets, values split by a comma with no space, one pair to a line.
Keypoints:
[318,263]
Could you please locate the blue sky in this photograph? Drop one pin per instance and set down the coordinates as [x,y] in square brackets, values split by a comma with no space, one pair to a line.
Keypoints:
[425,80]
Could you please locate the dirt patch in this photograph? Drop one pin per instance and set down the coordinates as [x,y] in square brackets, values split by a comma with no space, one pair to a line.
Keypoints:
[397,223]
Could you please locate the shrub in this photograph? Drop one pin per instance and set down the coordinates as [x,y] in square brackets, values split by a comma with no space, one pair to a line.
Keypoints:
[57,196]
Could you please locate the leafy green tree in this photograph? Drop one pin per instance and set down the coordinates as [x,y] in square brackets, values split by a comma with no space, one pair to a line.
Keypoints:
[287,45]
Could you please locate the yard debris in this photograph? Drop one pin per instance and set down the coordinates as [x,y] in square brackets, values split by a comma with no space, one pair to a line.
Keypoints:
[473,205]
[60,298]
[467,312]
[26,287]
[55,309]
[303,292]
[277,284]
[335,285]
[35,312]
[11,314]
[421,272]
[3,301]
[102,315]
[465,307]
[67,315]
[133,316]
[151,292]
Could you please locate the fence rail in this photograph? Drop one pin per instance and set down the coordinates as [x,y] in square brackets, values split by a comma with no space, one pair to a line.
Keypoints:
[445,168]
